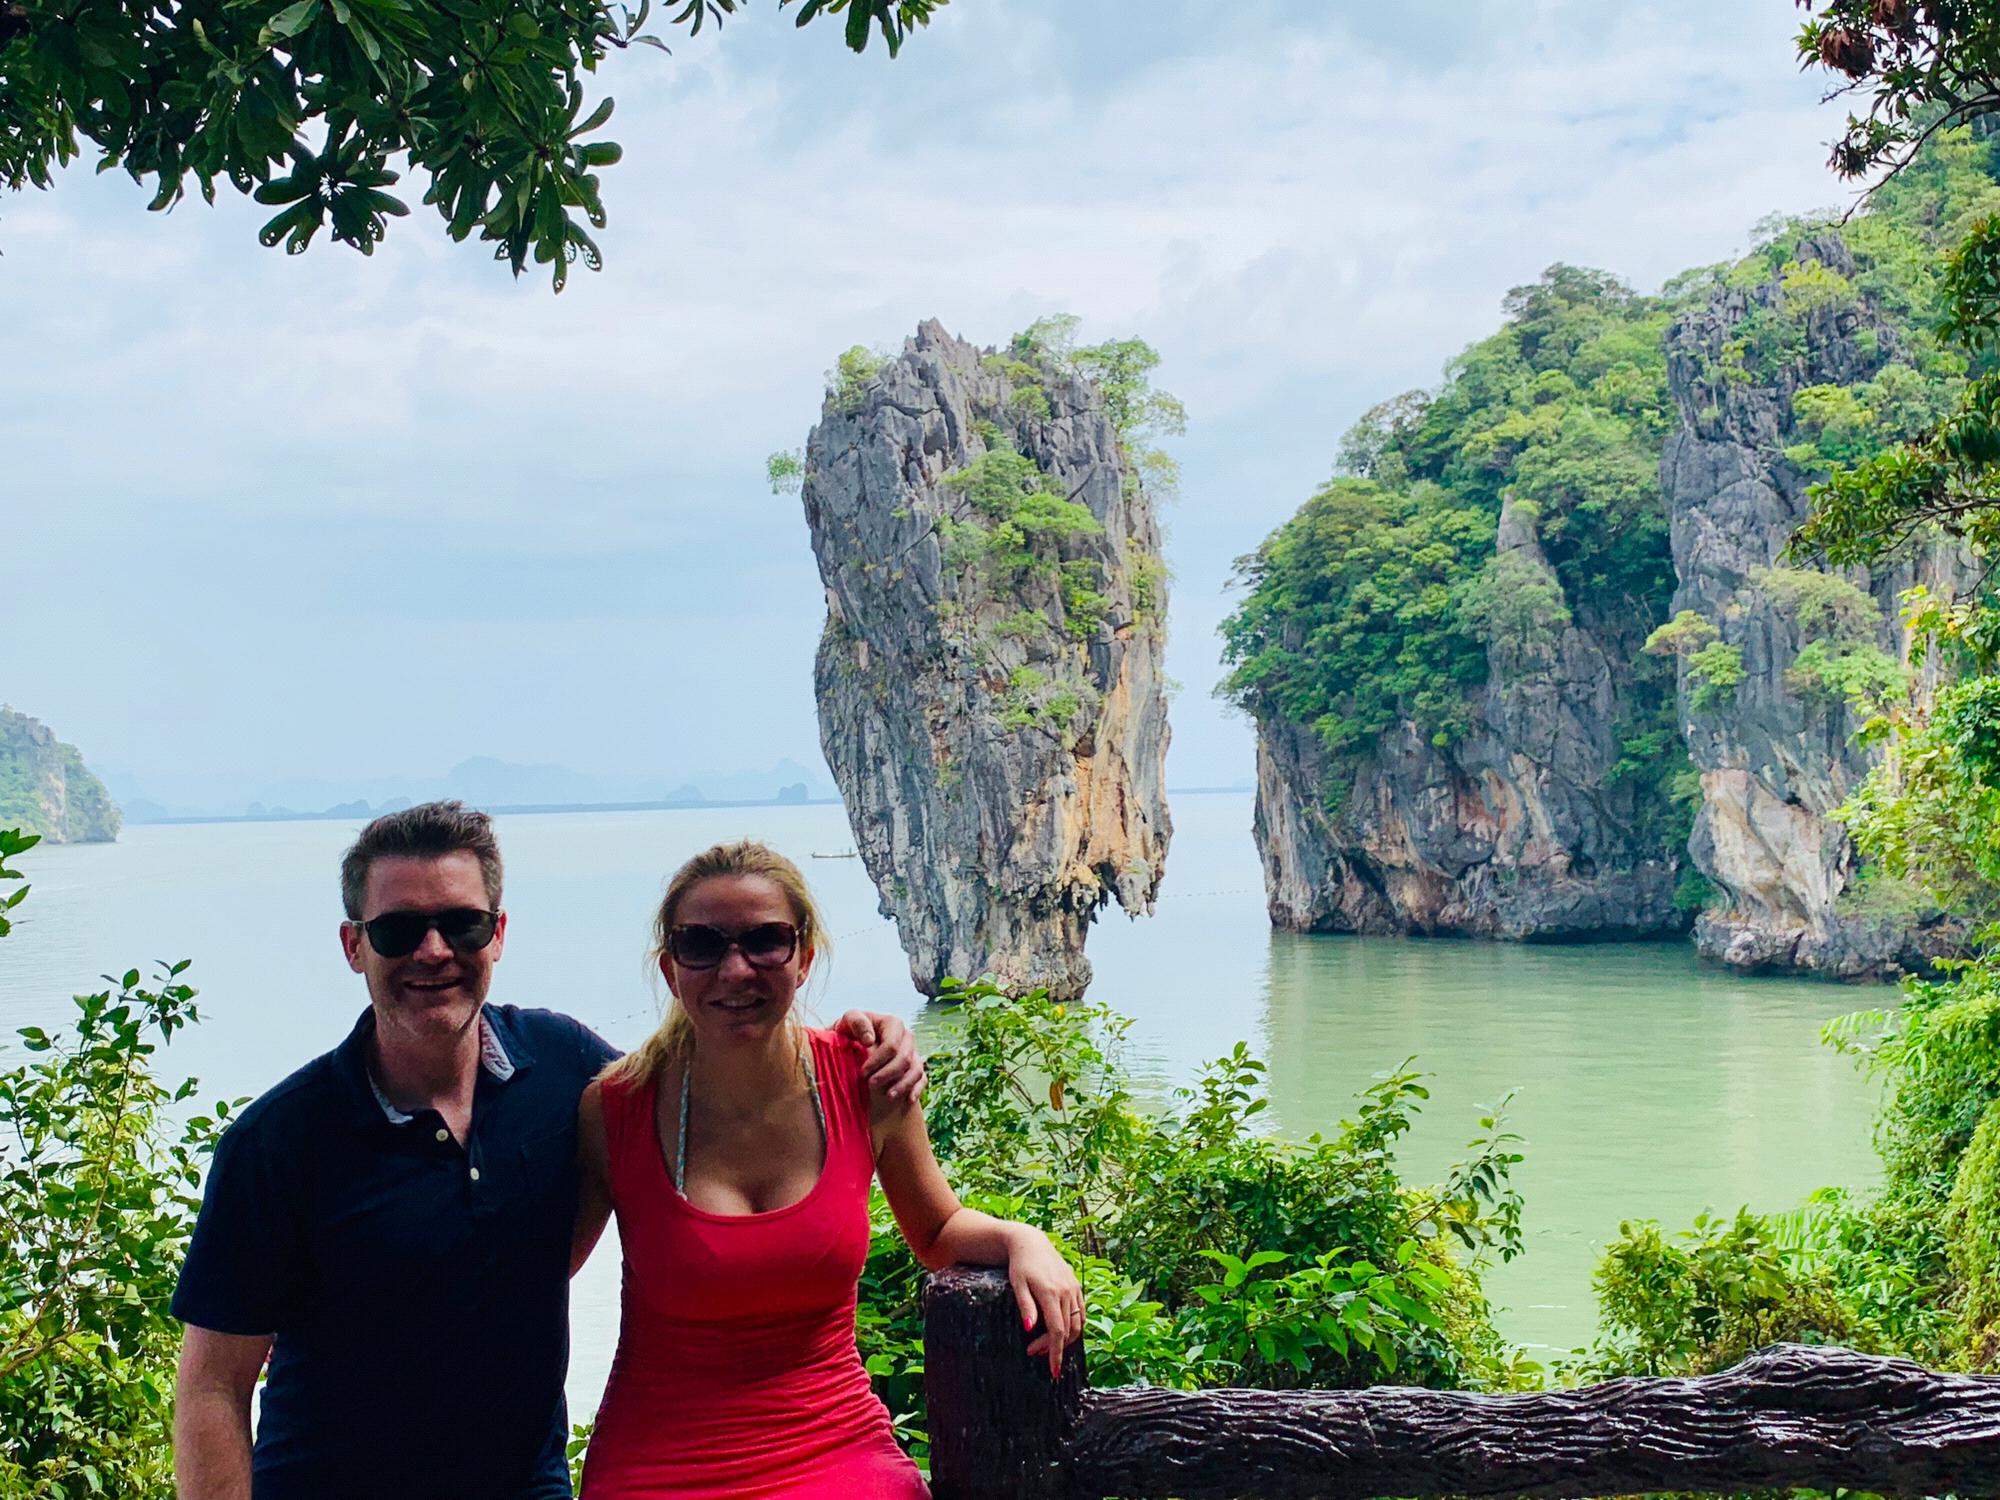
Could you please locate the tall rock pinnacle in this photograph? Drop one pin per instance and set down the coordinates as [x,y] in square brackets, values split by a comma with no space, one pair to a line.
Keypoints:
[989,681]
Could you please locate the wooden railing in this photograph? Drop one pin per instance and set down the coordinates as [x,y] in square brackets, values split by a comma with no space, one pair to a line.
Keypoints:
[1788,1417]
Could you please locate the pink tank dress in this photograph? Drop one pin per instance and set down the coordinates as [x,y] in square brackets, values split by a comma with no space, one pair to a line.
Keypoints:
[737,1373]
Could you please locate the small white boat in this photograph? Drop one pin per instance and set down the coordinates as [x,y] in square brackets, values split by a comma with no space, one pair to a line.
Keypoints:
[837,854]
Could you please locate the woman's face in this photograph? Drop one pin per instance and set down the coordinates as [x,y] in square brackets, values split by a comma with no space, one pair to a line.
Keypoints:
[736,1001]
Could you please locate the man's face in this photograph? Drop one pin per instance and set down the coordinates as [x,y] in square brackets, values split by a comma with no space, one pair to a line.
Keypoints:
[433,992]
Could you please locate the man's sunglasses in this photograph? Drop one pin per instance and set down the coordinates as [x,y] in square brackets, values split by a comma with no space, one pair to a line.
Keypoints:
[768,945]
[397,934]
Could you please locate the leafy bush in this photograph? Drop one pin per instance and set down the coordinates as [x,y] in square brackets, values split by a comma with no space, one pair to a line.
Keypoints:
[1211,1253]
[1148,578]
[1122,371]
[97,1202]
[1862,676]
[1683,635]
[1348,623]
[1026,519]
[848,381]
[1513,603]
[1824,606]
[1972,1237]
[1694,892]
[1836,425]
[1713,673]
[1812,286]
[785,471]
[1928,810]
[1703,1300]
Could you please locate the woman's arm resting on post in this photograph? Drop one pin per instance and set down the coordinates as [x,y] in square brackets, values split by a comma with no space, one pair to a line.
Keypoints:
[892,1067]
[212,1391]
[593,1171]
[943,1232]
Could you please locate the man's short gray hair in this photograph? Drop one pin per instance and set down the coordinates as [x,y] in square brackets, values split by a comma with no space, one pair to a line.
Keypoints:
[430,830]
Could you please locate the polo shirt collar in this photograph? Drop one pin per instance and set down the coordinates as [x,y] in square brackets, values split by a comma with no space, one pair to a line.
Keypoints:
[502,1054]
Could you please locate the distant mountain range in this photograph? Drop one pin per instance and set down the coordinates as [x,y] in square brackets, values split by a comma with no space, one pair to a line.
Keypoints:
[482,781]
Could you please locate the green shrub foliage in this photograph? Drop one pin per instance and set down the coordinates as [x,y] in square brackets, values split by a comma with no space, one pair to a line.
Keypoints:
[1211,1252]
[99,1167]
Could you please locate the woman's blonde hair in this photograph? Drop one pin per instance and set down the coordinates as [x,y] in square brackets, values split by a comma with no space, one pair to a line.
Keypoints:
[673,1039]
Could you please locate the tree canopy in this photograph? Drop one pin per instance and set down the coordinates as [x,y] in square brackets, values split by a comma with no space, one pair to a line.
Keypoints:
[319,108]
[1922,65]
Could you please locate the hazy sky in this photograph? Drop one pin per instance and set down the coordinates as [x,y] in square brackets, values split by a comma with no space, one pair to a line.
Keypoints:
[316,516]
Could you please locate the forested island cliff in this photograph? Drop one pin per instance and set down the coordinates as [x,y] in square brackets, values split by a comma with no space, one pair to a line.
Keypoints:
[1538,664]
[989,680]
[46,789]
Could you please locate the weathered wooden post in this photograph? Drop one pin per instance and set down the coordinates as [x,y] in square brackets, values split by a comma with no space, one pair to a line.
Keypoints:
[999,1426]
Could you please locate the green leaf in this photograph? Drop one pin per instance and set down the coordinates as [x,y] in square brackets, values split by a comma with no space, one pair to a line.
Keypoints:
[293,19]
[282,190]
[596,120]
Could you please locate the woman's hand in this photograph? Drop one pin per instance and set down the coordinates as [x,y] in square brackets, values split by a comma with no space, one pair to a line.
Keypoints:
[892,1065]
[1047,1291]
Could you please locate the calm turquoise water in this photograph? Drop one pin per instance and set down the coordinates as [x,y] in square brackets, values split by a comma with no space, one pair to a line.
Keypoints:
[1646,1084]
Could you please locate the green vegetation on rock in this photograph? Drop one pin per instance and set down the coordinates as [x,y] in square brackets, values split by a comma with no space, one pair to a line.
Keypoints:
[1385,602]
[848,381]
[1012,535]
[46,789]
[1376,605]
[1350,625]
[1713,674]
[785,471]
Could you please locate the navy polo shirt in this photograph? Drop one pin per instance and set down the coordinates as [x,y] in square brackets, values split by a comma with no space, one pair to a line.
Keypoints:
[416,1290]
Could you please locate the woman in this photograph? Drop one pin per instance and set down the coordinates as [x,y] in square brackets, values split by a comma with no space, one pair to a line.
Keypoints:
[736,1148]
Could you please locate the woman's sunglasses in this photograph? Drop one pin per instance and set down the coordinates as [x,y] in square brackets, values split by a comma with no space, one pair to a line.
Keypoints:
[768,945]
[397,934]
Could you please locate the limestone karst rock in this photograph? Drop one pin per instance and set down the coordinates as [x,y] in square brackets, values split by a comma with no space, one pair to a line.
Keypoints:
[45,787]
[989,681]
[1539,780]
[1517,830]
[1777,759]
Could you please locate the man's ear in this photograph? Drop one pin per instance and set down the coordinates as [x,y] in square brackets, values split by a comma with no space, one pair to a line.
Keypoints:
[350,944]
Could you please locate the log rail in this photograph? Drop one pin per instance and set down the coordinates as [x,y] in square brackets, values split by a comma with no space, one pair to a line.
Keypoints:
[1789,1417]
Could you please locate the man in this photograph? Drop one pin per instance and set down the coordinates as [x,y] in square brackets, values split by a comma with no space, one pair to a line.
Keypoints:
[391,1224]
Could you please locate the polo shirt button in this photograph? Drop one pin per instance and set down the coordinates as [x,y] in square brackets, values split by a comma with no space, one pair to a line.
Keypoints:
[475,1174]
[444,1135]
